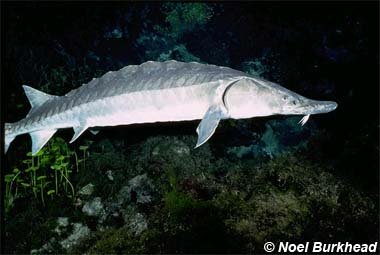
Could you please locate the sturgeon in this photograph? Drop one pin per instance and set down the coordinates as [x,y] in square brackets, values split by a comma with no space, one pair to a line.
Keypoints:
[159,92]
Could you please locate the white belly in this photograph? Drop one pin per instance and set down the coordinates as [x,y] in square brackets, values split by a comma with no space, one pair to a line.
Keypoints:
[177,104]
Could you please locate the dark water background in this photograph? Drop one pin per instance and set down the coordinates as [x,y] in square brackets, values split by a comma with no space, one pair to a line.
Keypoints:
[325,51]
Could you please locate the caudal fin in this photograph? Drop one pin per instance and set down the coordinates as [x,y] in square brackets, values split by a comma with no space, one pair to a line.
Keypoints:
[8,136]
[39,138]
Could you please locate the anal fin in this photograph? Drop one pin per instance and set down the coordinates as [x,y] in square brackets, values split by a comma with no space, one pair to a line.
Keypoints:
[77,132]
[40,138]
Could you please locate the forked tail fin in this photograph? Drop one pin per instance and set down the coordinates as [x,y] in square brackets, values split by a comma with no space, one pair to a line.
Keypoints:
[8,136]
[39,138]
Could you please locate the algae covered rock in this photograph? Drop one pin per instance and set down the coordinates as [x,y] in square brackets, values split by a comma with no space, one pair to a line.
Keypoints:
[62,224]
[121,241]
[177,148]
[138,190]
[64,237]
[94,207]
[268,216]
[281,136]
[193,201]
[86,190]
[289,199]
[136,223]
[80,231]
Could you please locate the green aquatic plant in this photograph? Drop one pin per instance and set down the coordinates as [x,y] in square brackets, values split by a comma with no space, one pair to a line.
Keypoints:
[41,184]
[184,17]
[46,174]
[83,148]
[178,203]
[165,40]
[9,197]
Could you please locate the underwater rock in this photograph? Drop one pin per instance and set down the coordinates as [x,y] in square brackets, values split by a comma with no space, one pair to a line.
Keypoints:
[62,224]
[135,222]
[46,248]
[79,232]
[86,190]
[115,33]
[176,147]
[254,67]
[271,142]
[139,190]
[109,175]
[63,221]
[289,217]
[180,53]
[94,207]
[54,244]
[284,136]
[280,137]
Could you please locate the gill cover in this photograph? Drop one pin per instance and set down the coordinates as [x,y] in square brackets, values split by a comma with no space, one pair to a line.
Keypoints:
[216,112]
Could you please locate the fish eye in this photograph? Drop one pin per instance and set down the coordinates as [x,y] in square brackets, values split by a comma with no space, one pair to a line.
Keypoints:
[284,98]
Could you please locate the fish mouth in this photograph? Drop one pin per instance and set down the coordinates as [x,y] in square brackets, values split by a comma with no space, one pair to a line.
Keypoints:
[317,107]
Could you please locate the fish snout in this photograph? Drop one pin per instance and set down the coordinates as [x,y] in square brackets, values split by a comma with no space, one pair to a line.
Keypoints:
[332,106]
[316,107]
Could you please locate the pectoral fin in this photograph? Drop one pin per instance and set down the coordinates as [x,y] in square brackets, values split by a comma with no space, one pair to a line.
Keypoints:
[209,123]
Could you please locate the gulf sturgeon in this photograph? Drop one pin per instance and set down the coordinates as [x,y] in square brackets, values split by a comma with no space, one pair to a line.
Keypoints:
[159,92]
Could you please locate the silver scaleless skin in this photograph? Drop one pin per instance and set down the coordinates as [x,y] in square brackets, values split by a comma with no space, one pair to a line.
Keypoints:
[160,92]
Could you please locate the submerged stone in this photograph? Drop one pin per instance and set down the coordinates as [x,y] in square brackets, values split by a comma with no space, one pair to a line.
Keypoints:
[139,190]
[62,224]
[86,190]
[135,222]
[176,147]
[80,231]
[94,207]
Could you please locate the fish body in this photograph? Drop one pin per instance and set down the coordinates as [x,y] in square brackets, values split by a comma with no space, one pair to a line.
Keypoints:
[152,92]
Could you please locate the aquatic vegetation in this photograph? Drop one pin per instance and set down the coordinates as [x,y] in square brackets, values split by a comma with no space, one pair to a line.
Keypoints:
[254,67]
[167,198]
[121,241]
[164,42]
[280,136]
[288,198]
[266,65]
[9,197]
[176,202]
[46,175]
[178,52]
[184,17]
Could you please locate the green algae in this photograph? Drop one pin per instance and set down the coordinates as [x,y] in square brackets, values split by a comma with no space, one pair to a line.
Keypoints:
[120,241]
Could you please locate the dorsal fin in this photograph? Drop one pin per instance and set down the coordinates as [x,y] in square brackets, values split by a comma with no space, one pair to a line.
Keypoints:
[36,97]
